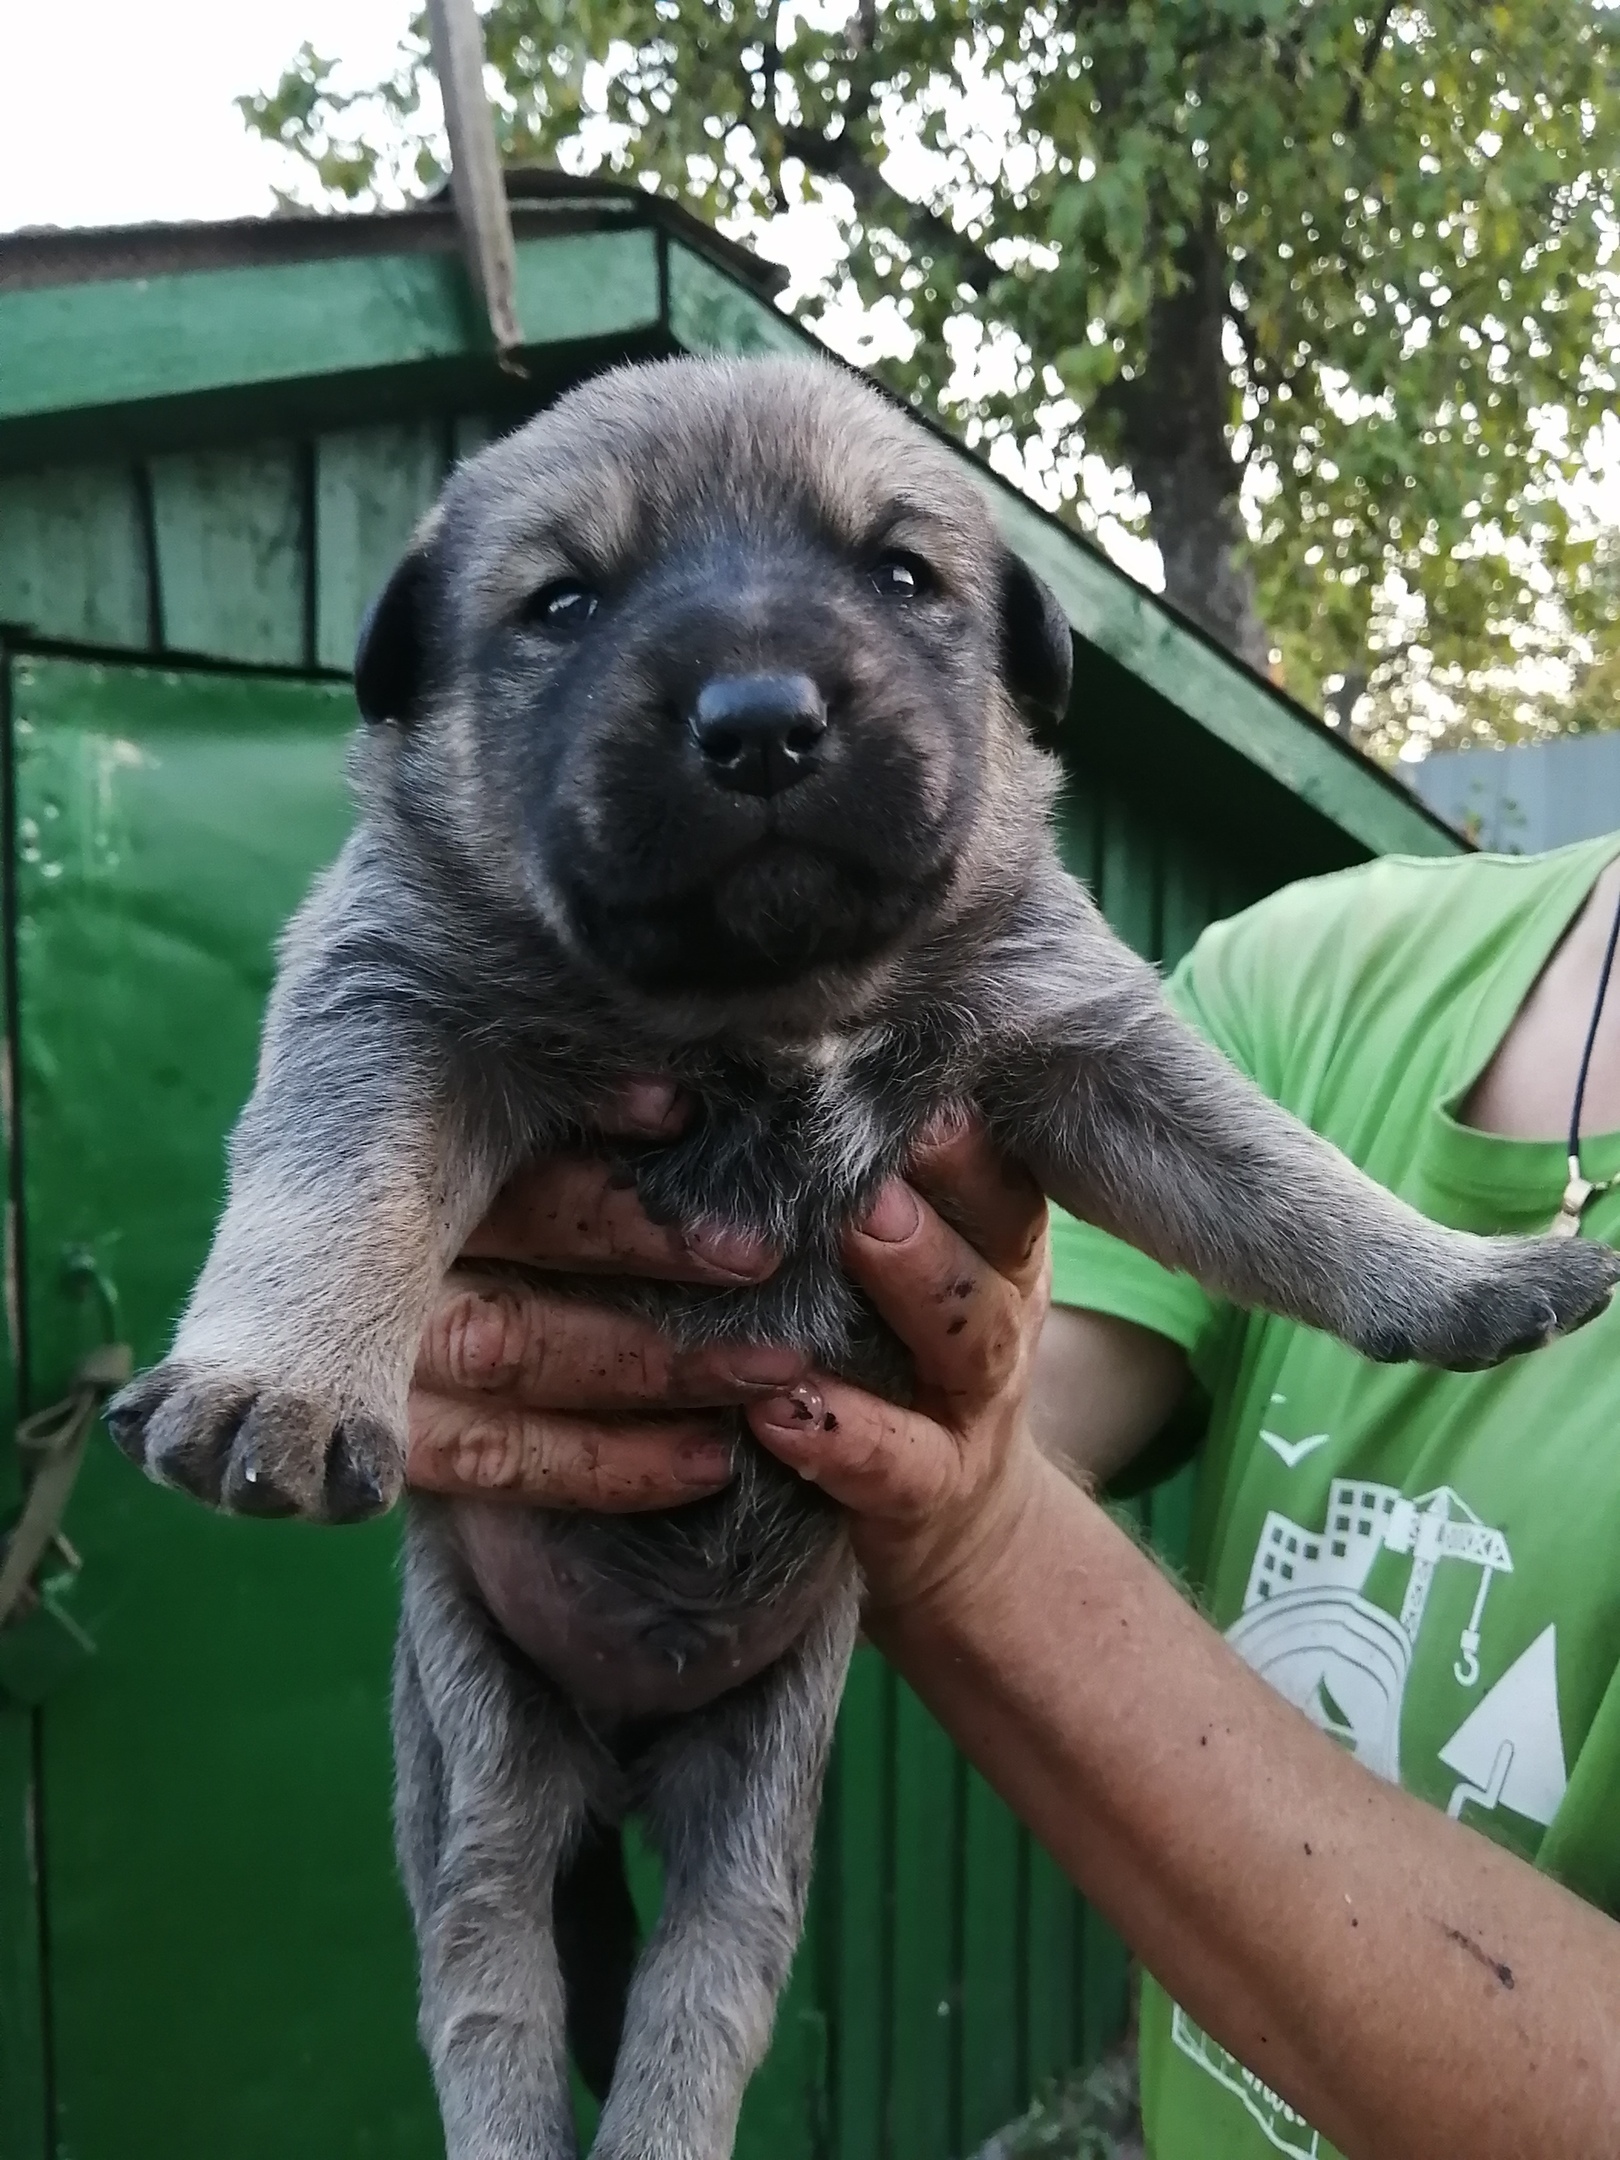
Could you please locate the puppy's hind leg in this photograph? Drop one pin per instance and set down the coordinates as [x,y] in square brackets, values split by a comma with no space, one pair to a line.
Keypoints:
[494,1780]
[731,1800]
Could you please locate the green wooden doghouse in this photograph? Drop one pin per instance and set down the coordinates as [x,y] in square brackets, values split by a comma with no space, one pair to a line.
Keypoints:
[213,442]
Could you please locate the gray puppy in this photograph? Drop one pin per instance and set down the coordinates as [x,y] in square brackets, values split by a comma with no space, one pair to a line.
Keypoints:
[699,744]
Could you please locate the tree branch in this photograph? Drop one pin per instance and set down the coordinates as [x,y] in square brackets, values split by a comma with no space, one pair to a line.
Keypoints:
[837,158]
[1369,57]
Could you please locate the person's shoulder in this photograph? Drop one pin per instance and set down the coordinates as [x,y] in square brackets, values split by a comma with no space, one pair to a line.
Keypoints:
[1395,898]
[1356,943]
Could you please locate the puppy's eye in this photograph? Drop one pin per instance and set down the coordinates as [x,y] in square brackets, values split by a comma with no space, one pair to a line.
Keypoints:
[899,576]
[561,609]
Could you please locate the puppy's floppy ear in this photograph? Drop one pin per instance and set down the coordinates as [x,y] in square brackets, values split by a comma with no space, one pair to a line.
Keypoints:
[391,655]
[1037,647]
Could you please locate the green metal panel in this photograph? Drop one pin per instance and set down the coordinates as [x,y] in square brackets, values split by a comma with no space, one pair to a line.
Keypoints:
[23,2104]
[1052,1927]
[854,1895]
[924,1891]
[229,1963]
[994,1985]
[73,554]
[22,2031]
[232,553]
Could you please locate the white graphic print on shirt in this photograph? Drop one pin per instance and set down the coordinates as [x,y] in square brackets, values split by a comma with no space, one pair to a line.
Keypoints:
[1307,1628]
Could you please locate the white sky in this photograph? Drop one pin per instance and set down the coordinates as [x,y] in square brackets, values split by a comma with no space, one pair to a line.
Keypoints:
[114,111]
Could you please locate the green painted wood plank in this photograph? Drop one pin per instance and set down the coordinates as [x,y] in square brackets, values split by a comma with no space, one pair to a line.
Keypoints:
[1127,881]
[231,553]
[586,285]
[711,312]
[926,2005]
[857,1954]
[122,341]
[1185,901]
[73,556]
[1054,1913]
[469,432]
[992,1986]
[371,486]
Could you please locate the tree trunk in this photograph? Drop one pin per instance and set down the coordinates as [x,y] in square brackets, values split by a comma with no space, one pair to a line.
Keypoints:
[1172,418]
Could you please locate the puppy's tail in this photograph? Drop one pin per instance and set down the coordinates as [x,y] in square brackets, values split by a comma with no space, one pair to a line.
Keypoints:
[598,1941]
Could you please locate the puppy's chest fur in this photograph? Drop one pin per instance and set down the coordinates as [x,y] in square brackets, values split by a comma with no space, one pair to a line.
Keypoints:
[636,1613]
[787,1145]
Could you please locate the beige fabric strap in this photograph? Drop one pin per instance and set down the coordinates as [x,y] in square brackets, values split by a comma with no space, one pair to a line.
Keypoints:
[52,1442]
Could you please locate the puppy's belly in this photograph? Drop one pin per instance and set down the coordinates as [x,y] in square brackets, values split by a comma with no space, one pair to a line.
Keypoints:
[616,1654]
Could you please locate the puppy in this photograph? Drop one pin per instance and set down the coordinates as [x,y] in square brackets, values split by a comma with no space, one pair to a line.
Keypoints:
[699,743]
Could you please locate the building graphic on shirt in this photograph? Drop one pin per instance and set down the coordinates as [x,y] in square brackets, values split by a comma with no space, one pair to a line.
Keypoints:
[1308,1628]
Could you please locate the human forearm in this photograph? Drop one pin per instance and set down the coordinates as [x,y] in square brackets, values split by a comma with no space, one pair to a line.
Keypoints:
[1101,1389]
[1412,1989]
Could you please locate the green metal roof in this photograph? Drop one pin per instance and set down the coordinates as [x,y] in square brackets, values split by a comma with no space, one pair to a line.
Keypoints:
[125,341]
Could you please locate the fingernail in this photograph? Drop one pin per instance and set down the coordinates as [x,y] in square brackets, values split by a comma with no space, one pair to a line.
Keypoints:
[704,1462]
[893,1215]
[763,1367]
[730,1252]
[798,1412]
[647,1104]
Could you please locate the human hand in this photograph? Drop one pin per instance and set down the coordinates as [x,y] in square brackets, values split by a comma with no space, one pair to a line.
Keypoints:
[935,1492]
[549,1401]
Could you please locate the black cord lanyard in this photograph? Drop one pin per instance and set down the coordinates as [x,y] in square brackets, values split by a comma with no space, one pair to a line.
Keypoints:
[1580,1190]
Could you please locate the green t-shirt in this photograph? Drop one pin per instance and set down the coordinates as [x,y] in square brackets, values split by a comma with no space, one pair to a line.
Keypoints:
[1425,1563]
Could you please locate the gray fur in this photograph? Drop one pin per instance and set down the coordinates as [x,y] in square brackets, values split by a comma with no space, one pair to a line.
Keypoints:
[529,910]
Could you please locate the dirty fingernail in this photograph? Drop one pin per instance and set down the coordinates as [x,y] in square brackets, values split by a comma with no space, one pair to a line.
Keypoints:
[732,1252]
[893,1215]
[649,1104]
[798,1412]
[763,1367]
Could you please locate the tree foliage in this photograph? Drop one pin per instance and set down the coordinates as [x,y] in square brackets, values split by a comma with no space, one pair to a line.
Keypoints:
[1326,278]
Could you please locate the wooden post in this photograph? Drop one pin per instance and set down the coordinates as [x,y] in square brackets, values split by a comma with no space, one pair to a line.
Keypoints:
[475,170]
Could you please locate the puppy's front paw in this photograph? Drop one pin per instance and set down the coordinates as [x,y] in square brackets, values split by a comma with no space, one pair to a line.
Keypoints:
[1531,1291]
[243,1445]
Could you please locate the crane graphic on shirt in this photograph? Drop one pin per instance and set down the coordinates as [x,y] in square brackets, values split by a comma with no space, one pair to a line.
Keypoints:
[1308,1628]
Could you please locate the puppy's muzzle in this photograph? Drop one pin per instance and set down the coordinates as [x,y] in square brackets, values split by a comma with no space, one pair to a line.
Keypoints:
[759,734]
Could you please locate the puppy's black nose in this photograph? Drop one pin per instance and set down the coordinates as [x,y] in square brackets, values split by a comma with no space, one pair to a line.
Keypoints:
[759,733]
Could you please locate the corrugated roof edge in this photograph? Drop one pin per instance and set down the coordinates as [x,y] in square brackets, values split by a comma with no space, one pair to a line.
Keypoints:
[543,202]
